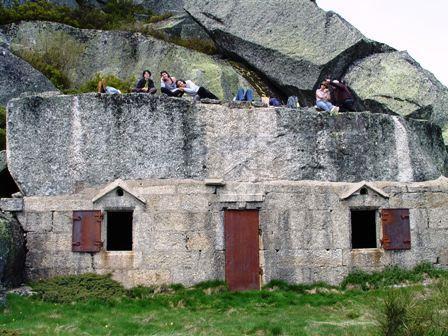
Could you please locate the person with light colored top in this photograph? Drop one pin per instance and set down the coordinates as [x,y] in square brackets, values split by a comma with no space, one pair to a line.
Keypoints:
[103,88]
[168,85]
[198,92]
[323,99]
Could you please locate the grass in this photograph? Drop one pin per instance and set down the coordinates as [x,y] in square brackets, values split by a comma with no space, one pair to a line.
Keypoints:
[390,276]
[96,305]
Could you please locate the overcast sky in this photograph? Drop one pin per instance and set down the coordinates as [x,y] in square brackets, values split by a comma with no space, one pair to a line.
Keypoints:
[420,27]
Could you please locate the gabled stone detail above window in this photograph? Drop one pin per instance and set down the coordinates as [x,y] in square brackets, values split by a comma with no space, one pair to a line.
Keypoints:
[117,184]
[358,188]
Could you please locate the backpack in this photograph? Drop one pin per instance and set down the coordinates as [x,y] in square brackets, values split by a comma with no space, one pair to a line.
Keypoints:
[274,102]
[293,102]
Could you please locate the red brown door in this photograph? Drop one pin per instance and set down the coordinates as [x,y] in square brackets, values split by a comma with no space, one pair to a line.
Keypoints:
[242,249]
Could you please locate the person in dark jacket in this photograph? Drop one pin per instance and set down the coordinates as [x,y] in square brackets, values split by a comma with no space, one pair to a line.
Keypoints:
[145,84]
[341,96]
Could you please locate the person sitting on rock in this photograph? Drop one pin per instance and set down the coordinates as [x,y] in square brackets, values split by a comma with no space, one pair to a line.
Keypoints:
[323,99]
[244,95]
[342,96]
[103,88]
[145,84]
[168,85]
[198,92]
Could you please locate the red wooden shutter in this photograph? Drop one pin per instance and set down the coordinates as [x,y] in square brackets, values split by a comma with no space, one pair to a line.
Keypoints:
[86,235]
[396,229]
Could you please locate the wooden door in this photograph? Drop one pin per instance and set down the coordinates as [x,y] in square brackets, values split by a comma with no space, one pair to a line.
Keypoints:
[242,249]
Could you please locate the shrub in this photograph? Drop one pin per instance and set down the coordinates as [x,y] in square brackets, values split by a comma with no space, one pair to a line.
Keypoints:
[395,314]
[403,314]
[77,288]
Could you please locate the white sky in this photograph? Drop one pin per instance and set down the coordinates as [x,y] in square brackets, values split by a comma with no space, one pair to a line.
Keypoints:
[420,27]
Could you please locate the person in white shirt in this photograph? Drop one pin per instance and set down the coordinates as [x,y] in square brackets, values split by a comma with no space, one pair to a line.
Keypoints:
[194,90]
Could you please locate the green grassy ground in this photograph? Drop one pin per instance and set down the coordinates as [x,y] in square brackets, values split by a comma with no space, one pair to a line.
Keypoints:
[199,312]
[97,305]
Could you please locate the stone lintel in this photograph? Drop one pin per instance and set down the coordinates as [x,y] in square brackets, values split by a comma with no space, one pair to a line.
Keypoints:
[11,204]
[241,198]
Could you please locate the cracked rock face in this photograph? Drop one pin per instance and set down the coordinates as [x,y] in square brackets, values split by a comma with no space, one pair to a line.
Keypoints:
[12,251]
[86,140]
[396,83]
[294,43]
[126,54]
[17,77]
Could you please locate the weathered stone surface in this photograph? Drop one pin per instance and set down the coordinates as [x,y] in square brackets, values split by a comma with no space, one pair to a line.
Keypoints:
[11,204]
[162,6]
[396,83]
[294,43]
[12,251]
[17,76]
[89,140]
[182,26]
[125,54]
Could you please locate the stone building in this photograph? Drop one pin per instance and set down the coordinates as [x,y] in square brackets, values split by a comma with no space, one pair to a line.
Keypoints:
[159,190]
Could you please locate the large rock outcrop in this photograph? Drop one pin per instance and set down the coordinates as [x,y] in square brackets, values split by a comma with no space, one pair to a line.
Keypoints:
[86,140]
[17,77]
[395,83]
[126,54]
[12,251]
[294,43]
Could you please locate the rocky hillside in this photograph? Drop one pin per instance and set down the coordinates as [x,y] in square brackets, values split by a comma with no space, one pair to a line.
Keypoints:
[290,45]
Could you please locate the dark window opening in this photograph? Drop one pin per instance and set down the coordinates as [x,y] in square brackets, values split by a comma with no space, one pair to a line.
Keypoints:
[363,229]
[363,191]
[119,230]
[120,192]
[8,184]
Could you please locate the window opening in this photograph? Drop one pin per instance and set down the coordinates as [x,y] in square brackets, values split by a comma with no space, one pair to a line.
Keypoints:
[119,230]
[363,191]
[120,192]
[363,228]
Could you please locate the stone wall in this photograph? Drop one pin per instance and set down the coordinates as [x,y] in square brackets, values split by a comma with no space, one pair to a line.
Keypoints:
[59,144]
[179,233]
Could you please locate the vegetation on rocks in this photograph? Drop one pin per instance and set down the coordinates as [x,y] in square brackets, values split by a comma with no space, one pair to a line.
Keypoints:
[125,86]
[55,57]
[113,15]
